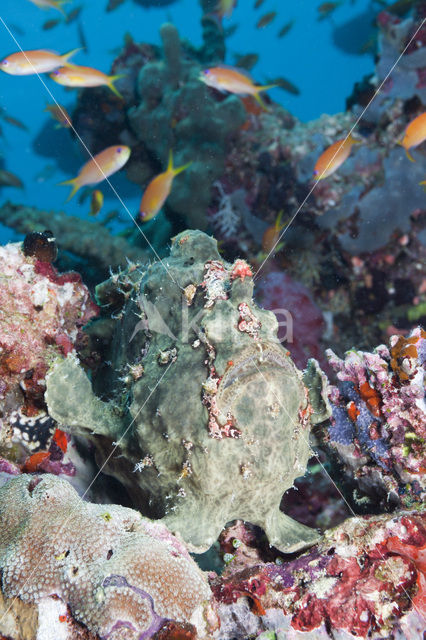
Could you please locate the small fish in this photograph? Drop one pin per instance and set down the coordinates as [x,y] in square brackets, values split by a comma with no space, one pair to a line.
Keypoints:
[8,179]
[50,4]
[113,4]
[73,15]
[225,8]
[286,85]
[96,202]
[158,190]
[85,77]
[248,61]
[272,235]
[32,463]
[258,3]
[333,157]
[25,63]
[47,172]
[326,9]
[82,37]
[103,165]
[229,31]
[60,114]
[285,29]
[15,122]
[51,24]
[266,19]
[414,134]
[233,81]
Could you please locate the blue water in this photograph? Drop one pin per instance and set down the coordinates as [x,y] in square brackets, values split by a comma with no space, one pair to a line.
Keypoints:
[307,56]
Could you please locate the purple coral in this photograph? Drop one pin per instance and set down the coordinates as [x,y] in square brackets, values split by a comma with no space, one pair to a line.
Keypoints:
[378,426]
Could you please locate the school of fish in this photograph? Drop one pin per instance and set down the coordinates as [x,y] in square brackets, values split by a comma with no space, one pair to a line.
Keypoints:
[234,80]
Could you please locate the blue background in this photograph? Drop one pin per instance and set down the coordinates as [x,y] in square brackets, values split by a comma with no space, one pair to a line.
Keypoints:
[307,56]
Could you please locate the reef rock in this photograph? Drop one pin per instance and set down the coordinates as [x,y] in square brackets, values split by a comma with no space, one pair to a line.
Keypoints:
[42,313]
[366,578]
[378,426]
[209,414]
[101,566]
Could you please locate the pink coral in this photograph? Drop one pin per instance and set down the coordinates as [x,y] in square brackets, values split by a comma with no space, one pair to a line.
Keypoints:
[363,577]
[379,416]
[41,316]
[303,322]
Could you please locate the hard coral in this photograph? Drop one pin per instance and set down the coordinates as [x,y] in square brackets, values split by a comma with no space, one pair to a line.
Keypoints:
[120,575]
[364,577]
[227,431]
[378,427]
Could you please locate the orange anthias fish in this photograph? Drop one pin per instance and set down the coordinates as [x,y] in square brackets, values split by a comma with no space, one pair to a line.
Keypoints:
[85,77]
[225,8]
[233,81]
[96,202]
[272,235]
[25,63]
[158,190]
[50,4]
[334,156]
[60,114]
[415,134]
[103,165]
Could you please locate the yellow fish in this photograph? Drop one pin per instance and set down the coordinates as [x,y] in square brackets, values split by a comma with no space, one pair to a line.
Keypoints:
[103,165]
[415,134]
[85,77]
[233,81]
[272,235]
[158,190]
[225,8]
[96,202]
[26,63]
[334,156]
[50,4]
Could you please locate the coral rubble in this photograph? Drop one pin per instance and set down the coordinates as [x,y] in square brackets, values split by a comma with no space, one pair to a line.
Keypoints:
[102,566]
[227,431]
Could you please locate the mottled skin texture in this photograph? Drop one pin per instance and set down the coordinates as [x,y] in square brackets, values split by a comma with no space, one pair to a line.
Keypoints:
[189,403]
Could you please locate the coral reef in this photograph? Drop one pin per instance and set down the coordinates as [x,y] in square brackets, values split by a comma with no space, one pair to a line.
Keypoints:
[227,432]
[41,318]
[91,242]
[366,577]
[378,426]
[167,107]
[102,566]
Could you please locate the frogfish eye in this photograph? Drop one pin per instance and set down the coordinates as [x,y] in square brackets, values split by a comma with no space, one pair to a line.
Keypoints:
[119,150]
